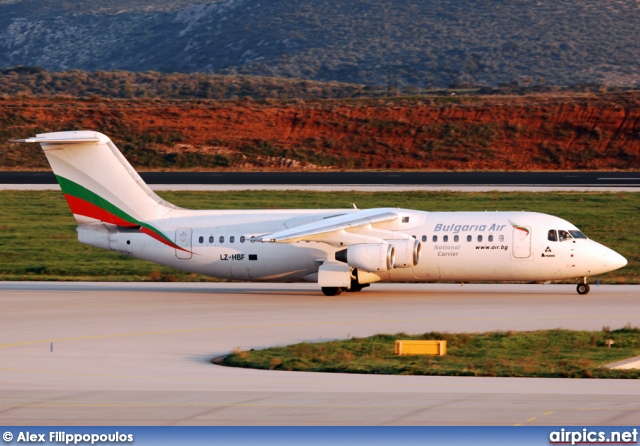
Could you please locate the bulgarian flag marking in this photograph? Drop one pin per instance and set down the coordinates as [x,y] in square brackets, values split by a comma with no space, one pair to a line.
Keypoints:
[521,228]
[84,202]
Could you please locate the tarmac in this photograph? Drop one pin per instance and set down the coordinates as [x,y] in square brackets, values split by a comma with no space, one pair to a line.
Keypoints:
[140,354]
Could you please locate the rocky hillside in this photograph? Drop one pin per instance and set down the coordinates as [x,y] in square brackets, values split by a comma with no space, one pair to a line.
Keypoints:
[597,131]
[419,43]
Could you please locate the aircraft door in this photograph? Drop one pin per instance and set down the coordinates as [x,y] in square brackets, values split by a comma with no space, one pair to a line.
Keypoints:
[183,240]
[522,242]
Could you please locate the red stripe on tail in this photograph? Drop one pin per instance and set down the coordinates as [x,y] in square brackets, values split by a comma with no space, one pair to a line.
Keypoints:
[82,207]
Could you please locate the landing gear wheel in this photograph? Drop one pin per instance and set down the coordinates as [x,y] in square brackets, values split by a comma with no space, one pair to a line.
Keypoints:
[331,290]
[354,289]
[583,288]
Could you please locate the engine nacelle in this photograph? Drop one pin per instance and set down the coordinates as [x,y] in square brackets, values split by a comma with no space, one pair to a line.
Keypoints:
[408,252]
[368,257]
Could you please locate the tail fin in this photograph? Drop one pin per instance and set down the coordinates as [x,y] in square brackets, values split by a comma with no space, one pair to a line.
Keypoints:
[97,181]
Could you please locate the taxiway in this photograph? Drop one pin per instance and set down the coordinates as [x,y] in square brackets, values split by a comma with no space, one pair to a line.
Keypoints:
[140,354]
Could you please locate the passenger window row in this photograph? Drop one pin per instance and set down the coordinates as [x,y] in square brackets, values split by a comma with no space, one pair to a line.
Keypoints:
[232,239]
[456,238]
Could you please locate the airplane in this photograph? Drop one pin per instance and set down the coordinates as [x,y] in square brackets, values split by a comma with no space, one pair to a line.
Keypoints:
[339,249]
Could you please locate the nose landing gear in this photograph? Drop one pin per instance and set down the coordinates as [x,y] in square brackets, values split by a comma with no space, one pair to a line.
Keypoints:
[583,288]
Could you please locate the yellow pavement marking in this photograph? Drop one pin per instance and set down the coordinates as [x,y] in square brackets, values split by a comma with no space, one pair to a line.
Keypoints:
[535,418]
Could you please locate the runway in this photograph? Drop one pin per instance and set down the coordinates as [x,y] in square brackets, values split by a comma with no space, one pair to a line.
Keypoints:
[371,178]
[387,181]
[140,354]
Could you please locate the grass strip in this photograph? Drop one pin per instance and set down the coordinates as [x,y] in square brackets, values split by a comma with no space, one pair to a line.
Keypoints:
[544,354]
[38,238]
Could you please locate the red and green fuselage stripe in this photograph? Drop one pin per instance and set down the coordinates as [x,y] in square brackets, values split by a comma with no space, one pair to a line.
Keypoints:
[521,228]
[86,203]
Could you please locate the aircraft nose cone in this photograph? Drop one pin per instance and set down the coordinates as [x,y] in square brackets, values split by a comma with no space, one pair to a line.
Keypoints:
[602,259]
[615,260]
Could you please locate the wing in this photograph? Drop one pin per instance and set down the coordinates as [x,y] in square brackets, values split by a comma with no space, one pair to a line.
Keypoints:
[331,225]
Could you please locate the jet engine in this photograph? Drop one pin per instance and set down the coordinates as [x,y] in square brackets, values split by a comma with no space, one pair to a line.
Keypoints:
[408,252]
[368,257]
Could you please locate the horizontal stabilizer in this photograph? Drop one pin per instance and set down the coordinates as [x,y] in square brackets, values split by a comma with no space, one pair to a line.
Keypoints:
[66,138]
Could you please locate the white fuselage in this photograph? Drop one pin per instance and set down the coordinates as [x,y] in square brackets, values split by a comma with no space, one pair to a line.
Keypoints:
[456,246]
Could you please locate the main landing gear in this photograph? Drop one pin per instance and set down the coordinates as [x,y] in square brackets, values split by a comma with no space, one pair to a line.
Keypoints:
[331,290]
[335,291]
[583,288]
[354,286]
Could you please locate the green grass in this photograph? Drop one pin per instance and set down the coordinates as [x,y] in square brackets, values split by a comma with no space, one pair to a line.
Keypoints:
[38,240]
[544,353]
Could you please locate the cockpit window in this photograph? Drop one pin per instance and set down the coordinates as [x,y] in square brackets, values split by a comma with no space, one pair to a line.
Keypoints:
[552,235]
[564,235]
[577,234]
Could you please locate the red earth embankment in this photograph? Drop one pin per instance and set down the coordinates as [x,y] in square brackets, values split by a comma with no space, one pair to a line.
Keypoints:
[597,132]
